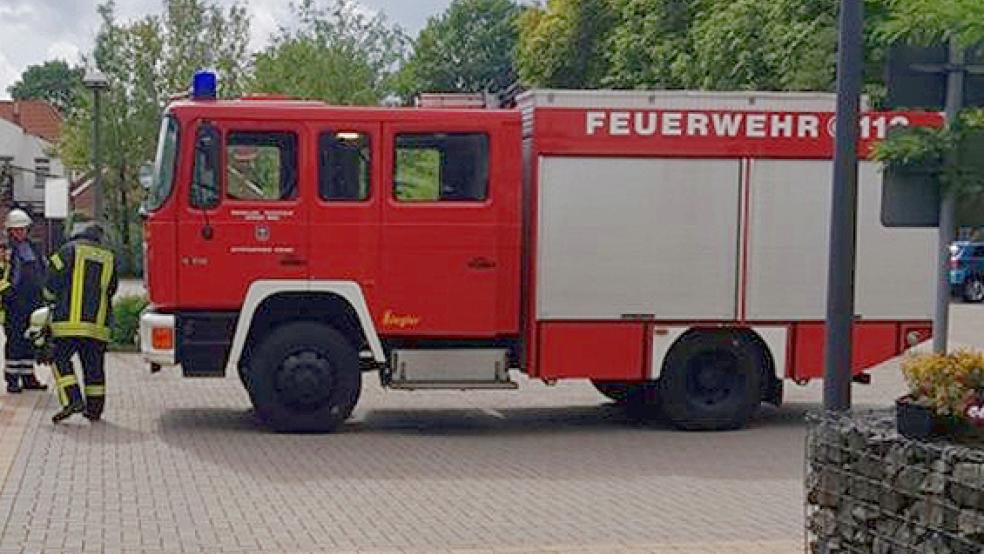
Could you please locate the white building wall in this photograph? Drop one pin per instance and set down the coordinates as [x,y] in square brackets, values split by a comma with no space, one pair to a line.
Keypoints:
[25,149]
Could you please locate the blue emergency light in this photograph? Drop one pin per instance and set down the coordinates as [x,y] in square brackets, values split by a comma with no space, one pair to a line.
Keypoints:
[204,85]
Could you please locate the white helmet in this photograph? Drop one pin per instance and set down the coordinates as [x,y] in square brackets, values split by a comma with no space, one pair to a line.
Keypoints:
[18,219]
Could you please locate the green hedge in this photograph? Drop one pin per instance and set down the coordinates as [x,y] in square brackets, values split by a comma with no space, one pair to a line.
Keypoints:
[126,320]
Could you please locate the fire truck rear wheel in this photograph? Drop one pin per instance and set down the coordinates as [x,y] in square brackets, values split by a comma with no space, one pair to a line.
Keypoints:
[304,378]
[711,381]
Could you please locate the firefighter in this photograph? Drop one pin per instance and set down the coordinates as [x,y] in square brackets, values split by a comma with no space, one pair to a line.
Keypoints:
[81,285]
[23,295]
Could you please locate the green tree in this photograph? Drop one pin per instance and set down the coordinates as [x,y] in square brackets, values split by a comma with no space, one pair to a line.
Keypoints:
[931,20]
[53,81]
[336,54]
[468,48]
[145,62]
[778,45]
[649,42]
[563,44]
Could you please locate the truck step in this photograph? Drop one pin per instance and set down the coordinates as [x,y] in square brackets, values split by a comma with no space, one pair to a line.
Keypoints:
[460,385]
[450,368]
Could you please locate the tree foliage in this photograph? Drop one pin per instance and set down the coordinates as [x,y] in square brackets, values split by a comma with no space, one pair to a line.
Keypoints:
[649,43]
[563,43]
[468,48]
[54,81]
[694,44]
[337,54]
[931,20]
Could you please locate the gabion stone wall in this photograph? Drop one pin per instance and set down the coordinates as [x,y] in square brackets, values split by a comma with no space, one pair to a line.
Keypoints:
[871,491]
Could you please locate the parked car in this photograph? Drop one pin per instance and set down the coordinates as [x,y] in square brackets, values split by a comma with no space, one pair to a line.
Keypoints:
[967,270]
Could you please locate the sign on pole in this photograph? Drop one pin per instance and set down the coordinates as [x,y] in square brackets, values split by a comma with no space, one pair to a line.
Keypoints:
[55,198]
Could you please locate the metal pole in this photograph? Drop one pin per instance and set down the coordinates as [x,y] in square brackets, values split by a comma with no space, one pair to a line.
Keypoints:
[954,103]
[843,215]
[97,192]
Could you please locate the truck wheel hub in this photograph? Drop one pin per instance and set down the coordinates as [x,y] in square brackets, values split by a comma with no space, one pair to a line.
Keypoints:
[304,380]
[711,377]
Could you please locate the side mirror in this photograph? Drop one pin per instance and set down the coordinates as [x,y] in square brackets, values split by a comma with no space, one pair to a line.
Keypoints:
[146,175]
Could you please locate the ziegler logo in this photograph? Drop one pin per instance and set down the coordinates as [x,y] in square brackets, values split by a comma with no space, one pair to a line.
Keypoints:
[399,321]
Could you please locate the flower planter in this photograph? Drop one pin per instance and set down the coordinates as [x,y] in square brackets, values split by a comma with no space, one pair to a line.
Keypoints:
[914,421]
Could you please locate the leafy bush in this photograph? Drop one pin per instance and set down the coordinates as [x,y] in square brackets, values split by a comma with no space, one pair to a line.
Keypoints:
[947,384]
[126,319]
[949,155]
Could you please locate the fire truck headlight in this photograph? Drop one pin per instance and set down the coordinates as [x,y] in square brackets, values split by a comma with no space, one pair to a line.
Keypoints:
[204,84]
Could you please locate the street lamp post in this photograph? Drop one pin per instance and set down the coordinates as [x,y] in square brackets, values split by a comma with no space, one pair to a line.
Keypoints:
[96,81]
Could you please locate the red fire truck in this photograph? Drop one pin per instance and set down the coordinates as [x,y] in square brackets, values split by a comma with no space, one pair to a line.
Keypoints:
[671,247]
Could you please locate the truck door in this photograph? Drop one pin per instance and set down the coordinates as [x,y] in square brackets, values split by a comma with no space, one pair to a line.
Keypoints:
[345,214]
[245,217]
[449,244]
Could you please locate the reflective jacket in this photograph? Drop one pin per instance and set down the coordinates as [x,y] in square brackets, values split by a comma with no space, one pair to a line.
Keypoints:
[81,283]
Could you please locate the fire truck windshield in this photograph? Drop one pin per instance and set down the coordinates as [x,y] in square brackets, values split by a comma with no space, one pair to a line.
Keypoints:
[164,164]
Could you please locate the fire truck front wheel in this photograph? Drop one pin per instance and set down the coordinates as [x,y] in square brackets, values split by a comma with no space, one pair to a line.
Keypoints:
[304,378]
[711,381]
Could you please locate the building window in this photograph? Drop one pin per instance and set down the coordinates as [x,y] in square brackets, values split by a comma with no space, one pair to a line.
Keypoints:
[42,167]
[344,162]
[261,166]
[439,167]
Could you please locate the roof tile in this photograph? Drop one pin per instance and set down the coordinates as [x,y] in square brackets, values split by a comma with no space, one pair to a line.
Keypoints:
[36,117]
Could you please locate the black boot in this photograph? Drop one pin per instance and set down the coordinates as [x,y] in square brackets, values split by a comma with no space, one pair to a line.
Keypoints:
[91,414]
[13,384]
[68,411]
[31,382]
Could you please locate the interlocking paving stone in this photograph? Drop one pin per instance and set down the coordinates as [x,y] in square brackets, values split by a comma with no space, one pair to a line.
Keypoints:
[182,466]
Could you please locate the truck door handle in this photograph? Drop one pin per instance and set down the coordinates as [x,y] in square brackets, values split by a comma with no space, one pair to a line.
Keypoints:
[292,261]
[481,263]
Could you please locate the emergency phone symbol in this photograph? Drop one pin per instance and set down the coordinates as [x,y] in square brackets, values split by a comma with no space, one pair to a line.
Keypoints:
[262,233]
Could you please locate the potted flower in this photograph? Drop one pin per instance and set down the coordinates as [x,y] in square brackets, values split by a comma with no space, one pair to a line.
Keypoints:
[945,394]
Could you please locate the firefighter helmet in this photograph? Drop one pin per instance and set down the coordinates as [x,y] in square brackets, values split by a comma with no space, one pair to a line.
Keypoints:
[88,229]
[18,219]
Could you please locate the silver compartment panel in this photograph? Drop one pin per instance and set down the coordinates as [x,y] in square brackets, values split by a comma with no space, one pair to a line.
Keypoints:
[450,366]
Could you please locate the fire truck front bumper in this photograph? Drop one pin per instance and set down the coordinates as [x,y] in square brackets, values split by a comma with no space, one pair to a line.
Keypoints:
[157,338]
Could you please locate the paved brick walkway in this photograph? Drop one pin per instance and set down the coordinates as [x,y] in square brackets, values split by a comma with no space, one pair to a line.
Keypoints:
[181,466]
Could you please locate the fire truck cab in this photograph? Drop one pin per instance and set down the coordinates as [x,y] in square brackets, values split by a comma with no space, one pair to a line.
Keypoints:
[670,247]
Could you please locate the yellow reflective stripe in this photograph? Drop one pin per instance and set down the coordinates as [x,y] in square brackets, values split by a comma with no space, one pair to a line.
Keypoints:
[95,390]
[57,262]
[107,276]
[75,298]
[66,381]
[4,285]
[80,329]
[83,253]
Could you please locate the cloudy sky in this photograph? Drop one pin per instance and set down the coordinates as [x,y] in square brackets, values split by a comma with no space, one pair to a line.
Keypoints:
[32,31]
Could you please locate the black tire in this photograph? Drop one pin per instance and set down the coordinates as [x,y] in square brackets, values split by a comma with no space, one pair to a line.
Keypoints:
[973,290]
[627,394]
[304,378]
[711,381]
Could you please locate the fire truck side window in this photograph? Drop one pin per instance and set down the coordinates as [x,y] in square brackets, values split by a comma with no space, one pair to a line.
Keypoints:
[440,167]
[205,184]
[261,166]
[343,166]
